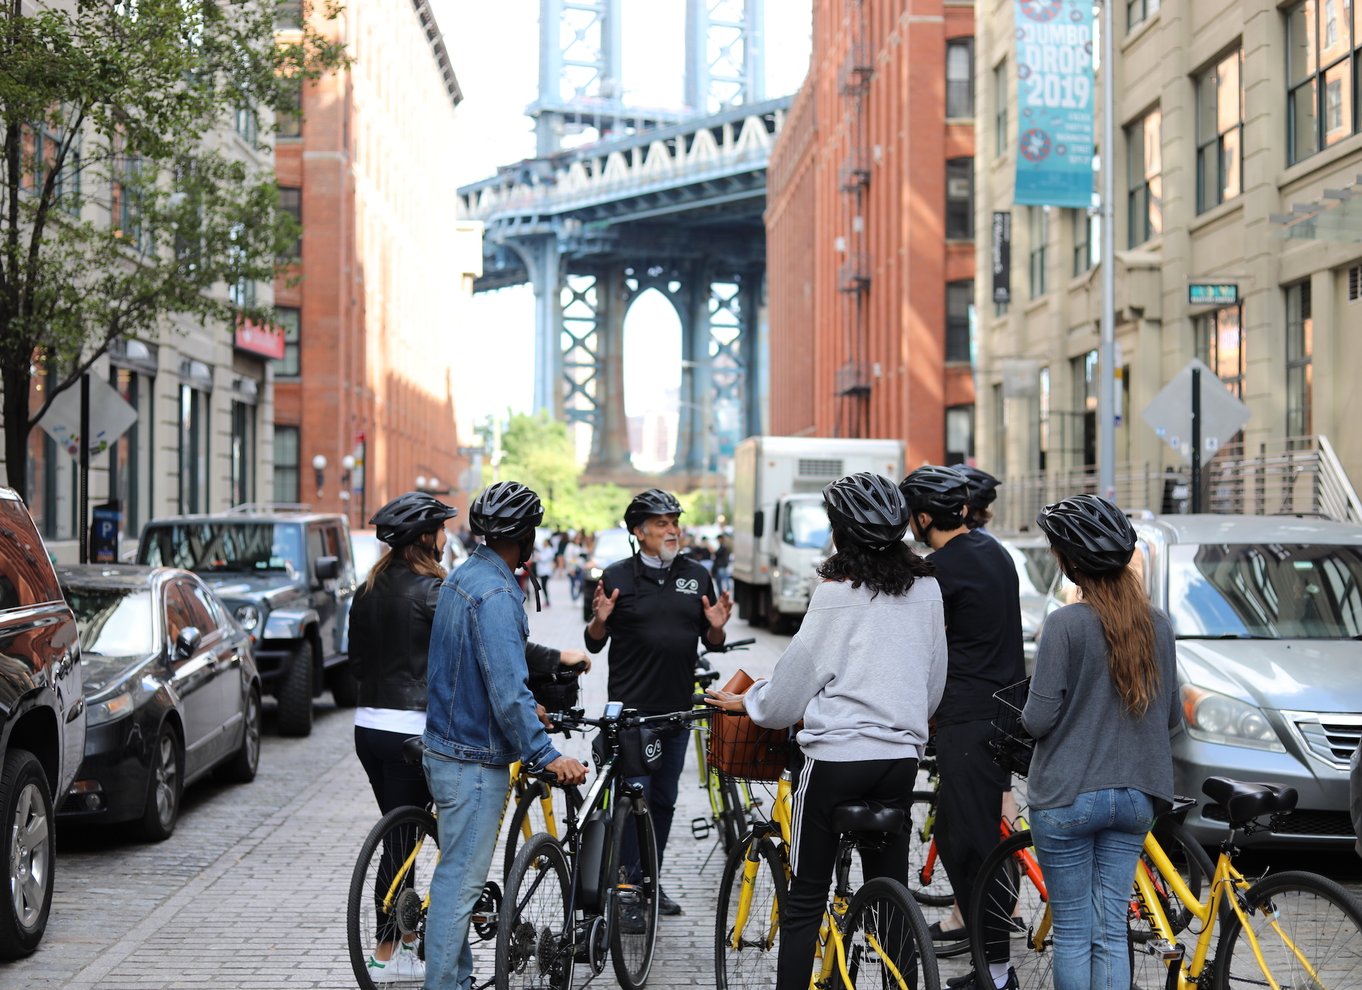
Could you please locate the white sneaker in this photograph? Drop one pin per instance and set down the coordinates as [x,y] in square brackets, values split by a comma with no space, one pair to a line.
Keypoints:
[404,966]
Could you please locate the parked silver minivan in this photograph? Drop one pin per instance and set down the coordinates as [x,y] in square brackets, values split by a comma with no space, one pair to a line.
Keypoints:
[1268,616]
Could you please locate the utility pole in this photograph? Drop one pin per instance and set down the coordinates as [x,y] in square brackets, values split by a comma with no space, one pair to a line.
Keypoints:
[1106,382]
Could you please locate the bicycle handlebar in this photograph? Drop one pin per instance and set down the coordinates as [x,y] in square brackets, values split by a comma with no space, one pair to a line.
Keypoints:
[577,718]
[737,644]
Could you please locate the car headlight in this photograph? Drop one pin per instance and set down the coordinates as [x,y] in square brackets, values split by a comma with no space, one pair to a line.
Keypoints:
[108,711]
[1214,717]
[248,616]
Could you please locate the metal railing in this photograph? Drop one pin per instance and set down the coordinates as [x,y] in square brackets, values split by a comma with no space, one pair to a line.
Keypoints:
[1290,475]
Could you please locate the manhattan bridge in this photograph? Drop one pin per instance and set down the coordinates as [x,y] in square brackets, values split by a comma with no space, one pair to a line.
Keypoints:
[667,200]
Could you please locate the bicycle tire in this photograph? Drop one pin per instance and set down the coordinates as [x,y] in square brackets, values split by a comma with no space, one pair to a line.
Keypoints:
[732,816]
[1013,897]
[375,869]
[631,953]
[1196,870]
[885,913]
[937,891]
[535,931]
[751,965]
[1320,918]
[527,806]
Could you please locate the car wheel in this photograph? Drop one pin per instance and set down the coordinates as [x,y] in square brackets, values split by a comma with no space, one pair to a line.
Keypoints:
[295,694]
[28,853]
[344,688]
[245,762]
[165,787]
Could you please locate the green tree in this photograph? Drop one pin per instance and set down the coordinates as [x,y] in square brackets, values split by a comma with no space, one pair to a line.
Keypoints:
[121,204]
[537,451]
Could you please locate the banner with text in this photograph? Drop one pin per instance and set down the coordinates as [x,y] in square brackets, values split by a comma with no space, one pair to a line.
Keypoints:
[1055,100]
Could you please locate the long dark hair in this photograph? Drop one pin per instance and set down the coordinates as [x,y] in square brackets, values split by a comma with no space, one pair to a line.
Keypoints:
[891,572]
[417,557]
[1118,597]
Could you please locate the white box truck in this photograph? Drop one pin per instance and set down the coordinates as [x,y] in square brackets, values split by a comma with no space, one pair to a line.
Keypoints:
[779,523]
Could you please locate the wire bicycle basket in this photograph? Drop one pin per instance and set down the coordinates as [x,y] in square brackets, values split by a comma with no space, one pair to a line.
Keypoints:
[742,750]
[1009,742]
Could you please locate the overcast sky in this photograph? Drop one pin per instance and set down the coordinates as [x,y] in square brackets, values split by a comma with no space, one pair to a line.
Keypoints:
[494,47]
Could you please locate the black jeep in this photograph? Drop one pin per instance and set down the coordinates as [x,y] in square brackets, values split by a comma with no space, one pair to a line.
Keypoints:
[288,577]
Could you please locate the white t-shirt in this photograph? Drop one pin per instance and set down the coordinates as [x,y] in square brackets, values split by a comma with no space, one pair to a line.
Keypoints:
[543,561]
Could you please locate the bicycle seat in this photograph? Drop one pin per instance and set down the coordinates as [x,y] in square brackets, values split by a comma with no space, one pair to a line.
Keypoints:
[864,816]
[1245,801]
[413,748]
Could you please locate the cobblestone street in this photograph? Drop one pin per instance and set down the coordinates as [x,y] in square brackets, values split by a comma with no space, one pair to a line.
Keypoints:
[250,891]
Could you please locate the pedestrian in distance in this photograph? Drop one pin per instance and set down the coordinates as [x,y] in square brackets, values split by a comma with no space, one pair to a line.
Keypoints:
[723,558]
[865,672]
[480,718]
[545,559]
[1102,705]
[984,643]
[655,608]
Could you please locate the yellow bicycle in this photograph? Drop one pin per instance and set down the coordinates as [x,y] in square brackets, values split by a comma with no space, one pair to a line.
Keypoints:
[1286,930]
[874,936]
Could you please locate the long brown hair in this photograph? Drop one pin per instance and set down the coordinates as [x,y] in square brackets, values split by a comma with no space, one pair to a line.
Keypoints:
[416,557]
[1123,609]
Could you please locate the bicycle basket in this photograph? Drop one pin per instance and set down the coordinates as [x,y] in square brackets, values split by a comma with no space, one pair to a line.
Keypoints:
[1009,742]
[740,748]
[640,750]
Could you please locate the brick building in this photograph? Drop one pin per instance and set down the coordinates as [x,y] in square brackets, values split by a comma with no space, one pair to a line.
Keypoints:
[870,231]
[383,272]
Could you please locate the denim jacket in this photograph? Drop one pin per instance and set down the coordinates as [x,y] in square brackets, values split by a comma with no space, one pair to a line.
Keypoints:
[478,706]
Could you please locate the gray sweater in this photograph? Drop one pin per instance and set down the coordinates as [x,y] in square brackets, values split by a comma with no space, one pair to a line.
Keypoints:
[1085,738]
[864,673]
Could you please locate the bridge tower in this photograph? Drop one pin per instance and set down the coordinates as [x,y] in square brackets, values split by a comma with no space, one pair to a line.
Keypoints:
[580,304]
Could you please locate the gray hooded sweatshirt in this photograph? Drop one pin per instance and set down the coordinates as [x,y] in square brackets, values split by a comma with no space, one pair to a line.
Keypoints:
[864,673]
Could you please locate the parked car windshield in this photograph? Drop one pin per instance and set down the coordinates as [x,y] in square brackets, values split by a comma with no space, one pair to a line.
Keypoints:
[611,545]
[225,546]
[806,525]
[1265,591]
[114,622]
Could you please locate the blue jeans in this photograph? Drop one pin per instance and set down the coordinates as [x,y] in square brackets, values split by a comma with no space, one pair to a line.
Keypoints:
[659,790]
[1088,853]
[469,798]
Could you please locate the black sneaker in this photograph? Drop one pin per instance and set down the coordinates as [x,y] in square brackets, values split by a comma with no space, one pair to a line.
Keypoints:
[970,982]
[947,934]
[665,905]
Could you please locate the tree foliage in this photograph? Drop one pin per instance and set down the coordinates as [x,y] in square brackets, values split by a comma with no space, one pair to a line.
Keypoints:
[124,198]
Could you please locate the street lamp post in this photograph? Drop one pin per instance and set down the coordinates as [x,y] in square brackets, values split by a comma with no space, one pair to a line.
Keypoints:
[318,471]
[347,466]
[1106,383]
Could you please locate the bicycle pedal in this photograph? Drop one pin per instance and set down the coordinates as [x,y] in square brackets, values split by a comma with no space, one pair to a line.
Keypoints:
[1161,948]
[701,827]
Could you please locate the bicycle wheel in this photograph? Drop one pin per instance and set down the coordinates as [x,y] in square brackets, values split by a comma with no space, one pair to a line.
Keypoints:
[1308,928]
[732,814]
[1007,898]
[927,880]
[745,959]
[886,940]
[389,892]
[528,818]
[632,894]
[534,933]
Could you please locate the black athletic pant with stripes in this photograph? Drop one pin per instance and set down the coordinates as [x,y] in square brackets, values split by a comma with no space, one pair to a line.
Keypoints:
[819,786]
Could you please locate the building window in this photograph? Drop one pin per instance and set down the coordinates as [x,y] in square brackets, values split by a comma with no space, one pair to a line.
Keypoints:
[288,118]
[130,455]
[193,473]
[1300,346]
[1038,241]
[999,425]
[288,319]
[291,202]
[1087,239]
[959,303]
[960,199]
[1220,343]
[1144,170]
[1043,389]
[1083,372]
[960,78]
[1220,132]
[1001,136]
[1323,68]
[959,434]
[288,14]
[243,453]
[1139,11]
[242,293]
[286,464]
[246,124]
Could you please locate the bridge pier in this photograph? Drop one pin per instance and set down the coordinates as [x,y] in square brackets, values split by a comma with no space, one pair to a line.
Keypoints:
[610,436]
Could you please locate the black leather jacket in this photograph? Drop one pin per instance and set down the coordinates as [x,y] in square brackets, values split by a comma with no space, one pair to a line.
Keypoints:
[390,639]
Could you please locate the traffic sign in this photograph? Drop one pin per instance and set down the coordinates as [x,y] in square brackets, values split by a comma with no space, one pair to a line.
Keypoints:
[1212,294]
[1170,414]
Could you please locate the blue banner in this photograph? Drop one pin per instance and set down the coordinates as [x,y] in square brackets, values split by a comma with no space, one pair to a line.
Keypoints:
[1055,103]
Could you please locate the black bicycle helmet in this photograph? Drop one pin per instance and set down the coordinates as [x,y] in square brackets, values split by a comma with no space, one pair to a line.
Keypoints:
[505,511]
[983,487]
[406,517]
[867,509]
[1089,532]
[939,491]
[653,502]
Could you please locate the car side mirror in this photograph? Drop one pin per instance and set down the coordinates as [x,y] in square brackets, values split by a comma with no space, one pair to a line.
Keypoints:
[758,523]
[187,642]
[326,568]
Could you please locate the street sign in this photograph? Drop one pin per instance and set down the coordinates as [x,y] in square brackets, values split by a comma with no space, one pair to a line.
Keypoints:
[1212,294]
[1170,414]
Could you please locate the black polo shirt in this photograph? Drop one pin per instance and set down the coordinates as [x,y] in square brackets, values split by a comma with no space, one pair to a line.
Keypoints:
[654,632]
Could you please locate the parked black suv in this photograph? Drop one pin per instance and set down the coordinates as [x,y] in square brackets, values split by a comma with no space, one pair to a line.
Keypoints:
[42,724]
[288,576]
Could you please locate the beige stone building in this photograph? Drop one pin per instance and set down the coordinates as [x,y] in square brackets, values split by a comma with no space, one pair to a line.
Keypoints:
[1238,160]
